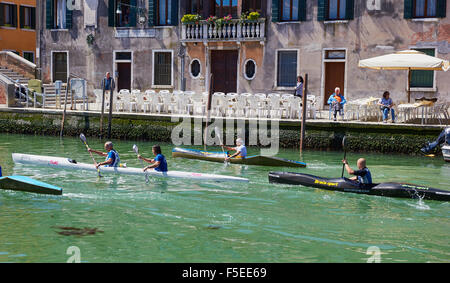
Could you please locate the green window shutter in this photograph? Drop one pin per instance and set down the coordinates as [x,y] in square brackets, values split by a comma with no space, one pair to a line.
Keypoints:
[111,13]
[350,10]
[22,16]
[408,11]
[133,12]
[49,14]
[14,17]
[174,12]
[33,18]
[2,12]
[275,11]
[68,18]
[441,8]
[302,10]
[322,10]
[151,13]
[423,78]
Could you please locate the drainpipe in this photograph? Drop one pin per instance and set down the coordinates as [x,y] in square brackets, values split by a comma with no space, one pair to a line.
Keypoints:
[181,54]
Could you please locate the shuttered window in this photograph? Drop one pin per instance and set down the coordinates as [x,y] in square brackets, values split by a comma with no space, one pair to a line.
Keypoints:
[127,13]
[287,68]
[288,10]
[58,16]
[425,9]
[423,79]
[27,17]
[8,15]
[166,12]
[335,10]
[29,56]
[162,68]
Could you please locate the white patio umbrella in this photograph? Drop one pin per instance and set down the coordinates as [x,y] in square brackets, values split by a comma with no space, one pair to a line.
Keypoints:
[406,60]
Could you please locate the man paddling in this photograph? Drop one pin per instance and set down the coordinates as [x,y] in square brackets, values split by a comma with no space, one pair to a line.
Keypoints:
[443,137]
[241,150]
[159,163]
[362,175]
[112,157]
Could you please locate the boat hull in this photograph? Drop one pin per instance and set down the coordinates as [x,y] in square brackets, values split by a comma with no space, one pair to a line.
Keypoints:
[220,158]
[26,184]
[65,163]
[390,189]
[446,153]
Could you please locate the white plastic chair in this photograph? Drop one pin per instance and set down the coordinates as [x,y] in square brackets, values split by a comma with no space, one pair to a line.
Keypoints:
[98,93]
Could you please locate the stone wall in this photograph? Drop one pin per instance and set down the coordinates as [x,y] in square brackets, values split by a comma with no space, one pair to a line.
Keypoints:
[319,136]
[17,64]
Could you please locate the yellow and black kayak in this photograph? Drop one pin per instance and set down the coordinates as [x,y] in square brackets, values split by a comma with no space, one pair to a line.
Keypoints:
[218,156]
[387,189]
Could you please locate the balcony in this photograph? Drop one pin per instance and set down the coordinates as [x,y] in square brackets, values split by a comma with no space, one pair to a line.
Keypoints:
[236,31]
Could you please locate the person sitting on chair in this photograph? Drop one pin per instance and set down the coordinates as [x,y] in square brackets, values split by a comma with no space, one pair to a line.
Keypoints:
[386,104]
[336,102]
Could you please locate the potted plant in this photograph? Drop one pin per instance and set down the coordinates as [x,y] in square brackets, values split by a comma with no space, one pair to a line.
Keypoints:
[191,19]
[249,17]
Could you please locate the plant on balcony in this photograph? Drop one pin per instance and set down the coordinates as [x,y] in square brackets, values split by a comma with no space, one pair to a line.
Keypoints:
[249,17]
[90,39]
[219,22]
[191,19]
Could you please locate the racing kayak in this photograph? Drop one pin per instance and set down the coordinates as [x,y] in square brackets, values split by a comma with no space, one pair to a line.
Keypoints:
[26,184]
[69,164]
[218,156]
[400,190]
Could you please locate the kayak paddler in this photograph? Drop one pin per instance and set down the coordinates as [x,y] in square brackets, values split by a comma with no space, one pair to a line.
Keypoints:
[362,175]
[241,150]
[159,163]
[444,137]
[112,157]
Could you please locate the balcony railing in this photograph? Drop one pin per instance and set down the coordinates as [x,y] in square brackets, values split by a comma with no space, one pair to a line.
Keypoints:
[233,31]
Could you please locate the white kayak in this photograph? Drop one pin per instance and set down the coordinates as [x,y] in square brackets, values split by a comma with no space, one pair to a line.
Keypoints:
[69,164]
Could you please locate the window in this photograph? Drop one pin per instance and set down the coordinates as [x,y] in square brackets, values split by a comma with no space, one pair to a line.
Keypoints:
[27,17]
[252,6]
[194,7]
[164,12]
[286,68]
[162,68]
[423,79]
[29,56]
[289,10]
[224,8]
[125,13]
[195,68]
[425,8]
[337,9]
[250,69]
[123,56]
[8,14]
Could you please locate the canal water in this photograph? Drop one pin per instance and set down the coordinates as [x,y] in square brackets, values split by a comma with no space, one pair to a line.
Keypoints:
[187,221]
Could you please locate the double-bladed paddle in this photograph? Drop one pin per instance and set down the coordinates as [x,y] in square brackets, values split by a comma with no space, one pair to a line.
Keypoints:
[83,139]
[345,156]
[220,140]
[136,150]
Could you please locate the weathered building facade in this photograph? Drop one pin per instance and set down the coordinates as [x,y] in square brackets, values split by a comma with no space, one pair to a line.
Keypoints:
[146,46]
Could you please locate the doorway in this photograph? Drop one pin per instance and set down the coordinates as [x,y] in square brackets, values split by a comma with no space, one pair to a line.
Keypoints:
[224,70]
[123,70]
[334,73]
[59,66]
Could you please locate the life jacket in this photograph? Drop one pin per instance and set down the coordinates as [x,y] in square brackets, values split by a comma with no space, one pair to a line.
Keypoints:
[367,179]
[338,98]
[115,157]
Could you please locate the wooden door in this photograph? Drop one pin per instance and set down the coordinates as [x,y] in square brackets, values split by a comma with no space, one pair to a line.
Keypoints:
[224,70]
[60,66]
[124,76]
[334,77]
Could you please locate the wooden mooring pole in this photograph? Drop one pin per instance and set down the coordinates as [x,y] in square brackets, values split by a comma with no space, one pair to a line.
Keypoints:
[208,110]
[103,108]
[65,107]
[304,108]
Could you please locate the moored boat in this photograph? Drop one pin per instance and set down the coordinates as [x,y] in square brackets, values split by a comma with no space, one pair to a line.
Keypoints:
[446,152]
[388,189]
[69,164]
[26,184]
[218,156]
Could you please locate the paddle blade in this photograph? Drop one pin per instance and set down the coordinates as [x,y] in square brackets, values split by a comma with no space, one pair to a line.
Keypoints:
[344,143]
[217,131]
[135,149]
[82,137]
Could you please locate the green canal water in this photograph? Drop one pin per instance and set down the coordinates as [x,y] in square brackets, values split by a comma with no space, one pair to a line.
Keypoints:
[187,221]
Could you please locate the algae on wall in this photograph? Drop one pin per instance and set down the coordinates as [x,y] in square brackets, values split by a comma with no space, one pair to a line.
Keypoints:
[367,138]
